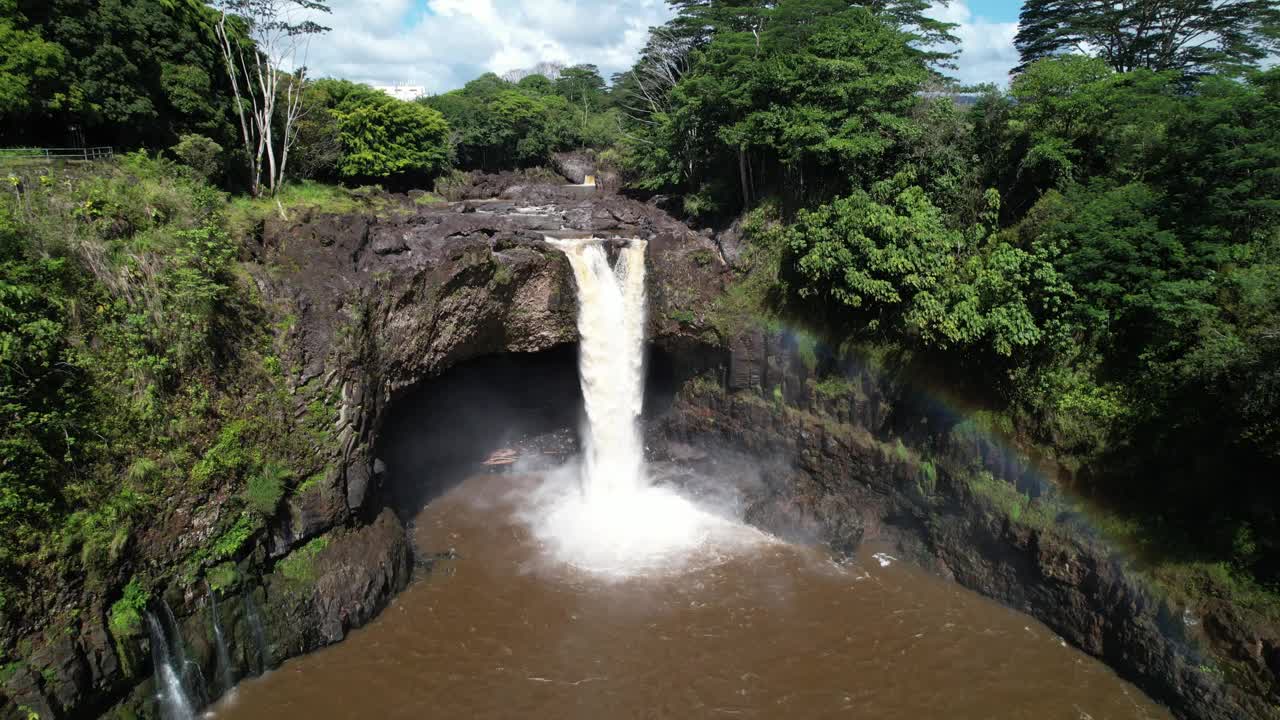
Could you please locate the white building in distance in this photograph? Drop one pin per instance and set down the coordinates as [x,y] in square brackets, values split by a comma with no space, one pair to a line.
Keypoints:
[402,92]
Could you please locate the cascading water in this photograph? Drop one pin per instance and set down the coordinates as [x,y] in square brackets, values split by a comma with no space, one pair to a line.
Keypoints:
[225,675]
[189,672]
[259,634]
[174,703]
[611,364]
[619,524]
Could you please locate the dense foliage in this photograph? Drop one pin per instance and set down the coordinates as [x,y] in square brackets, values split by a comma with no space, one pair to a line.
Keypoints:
[121,72]
[385,137]
[500,125]
[1094,249]
[137,366]
[1189,36]
[806,98]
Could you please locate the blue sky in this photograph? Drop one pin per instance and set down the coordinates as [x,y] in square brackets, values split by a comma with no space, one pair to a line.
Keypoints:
[440,44]
[999,10]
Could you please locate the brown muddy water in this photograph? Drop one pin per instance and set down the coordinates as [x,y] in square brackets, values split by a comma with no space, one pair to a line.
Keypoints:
[767,630]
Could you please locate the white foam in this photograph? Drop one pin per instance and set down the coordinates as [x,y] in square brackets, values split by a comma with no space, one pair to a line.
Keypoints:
[642,531]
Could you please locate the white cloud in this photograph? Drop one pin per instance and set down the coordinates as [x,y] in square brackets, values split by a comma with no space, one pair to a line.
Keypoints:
[394,41]
[441,44]
[986,48]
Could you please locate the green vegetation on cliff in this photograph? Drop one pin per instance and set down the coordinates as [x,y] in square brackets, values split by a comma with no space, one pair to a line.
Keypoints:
[138,370]
[1093,255]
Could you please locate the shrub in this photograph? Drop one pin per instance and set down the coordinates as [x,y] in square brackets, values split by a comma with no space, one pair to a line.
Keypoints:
[221,577]
[229,543]
[125,618]
[227,456]
[200,155]
[265,488]
[451,185]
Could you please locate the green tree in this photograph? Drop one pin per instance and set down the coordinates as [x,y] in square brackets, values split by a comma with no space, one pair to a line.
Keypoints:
[384,137]
[318,149]
[1188,36]
[886,264]
[30,67]
[497,124]
[582,86]
[131,72]
[536,84]
[813,106]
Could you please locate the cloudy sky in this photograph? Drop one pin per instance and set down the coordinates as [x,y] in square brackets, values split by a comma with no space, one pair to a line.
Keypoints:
[441,44]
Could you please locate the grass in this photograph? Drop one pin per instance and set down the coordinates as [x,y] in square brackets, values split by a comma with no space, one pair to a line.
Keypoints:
[1188,575]
[502,274]
[244,212]
[749,300]
[265,488]
[223,576]
[704,385]
[312,481]
[298,567]
[684,317]
[703,257]
[807,350]
[1008,500]
[835,387]
[125,618]
[928,479]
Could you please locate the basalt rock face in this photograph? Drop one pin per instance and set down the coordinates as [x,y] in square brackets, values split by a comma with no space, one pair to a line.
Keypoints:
[577,165]
[833,468]
[375,302]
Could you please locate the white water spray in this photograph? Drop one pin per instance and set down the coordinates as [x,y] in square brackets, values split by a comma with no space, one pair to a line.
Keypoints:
[618,524]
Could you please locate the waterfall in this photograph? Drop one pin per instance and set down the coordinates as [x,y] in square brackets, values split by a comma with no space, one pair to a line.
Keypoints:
[615,523]
[259,635]
[189,672]
[611,316]
[225,675]
[174,704]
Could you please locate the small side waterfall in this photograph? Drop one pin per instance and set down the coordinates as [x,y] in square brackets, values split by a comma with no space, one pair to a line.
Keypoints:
[189,672]
[259,634]
[225,675]
[174,703]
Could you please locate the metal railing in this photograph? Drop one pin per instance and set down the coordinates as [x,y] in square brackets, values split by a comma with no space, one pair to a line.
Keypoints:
[85,154]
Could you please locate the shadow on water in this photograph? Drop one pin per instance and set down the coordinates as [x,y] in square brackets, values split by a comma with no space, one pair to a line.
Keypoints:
[442,431]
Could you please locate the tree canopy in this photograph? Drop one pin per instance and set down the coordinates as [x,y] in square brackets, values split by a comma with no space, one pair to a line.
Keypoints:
[384,137]
[498,124]
[118,72]
[1189,36]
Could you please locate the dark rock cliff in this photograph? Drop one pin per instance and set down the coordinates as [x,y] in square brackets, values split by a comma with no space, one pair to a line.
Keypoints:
[834,469]
[376,303]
